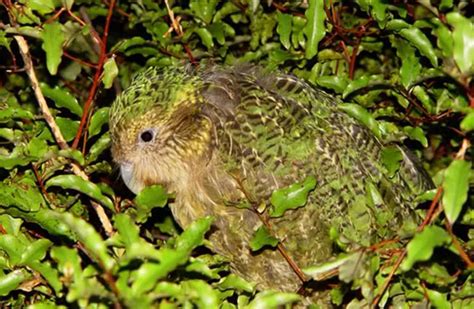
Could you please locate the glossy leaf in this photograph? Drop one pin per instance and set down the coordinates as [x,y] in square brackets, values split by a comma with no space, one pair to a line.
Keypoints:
[284,29]
[421,42]
[110,72]
[76,183]
[53,39]
[315,28]
[291,197]
[358,112]
[421,247]
[456,186]
[62,98]
[463,36]
[467,124]
[262,238]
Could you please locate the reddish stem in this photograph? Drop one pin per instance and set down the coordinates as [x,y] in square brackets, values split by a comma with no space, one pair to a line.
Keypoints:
[98,73]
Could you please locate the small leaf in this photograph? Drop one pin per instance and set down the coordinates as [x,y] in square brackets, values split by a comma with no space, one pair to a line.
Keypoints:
[314,28]
[102,144]
[62,98]
[438,300]
[42,6]
[262,238]
[53,39]
[421,247]
[284,29]
[78,184]
[291,197]
[234,282]
[463,36]
[391,158]
[68,127]
[110,72]
[35,251]
[89,237]
[361,114]
[456,186]
[467,124]
[417,134]
[421,42]
[336,83]
[149,198]
[206,37]
[12,280]
[411,66]
[98,120]
[272,299]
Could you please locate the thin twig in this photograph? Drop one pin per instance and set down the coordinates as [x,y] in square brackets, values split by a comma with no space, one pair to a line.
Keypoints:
[25,53]
[98,73]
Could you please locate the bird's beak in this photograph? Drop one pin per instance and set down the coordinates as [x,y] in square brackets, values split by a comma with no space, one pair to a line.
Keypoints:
[128,176]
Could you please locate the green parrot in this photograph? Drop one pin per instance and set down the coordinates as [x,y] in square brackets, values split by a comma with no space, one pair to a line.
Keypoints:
[223,139]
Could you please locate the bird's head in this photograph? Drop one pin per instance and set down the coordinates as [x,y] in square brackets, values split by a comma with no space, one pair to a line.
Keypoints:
[158,132]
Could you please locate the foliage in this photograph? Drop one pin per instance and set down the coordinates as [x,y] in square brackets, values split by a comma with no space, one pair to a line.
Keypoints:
[404,69]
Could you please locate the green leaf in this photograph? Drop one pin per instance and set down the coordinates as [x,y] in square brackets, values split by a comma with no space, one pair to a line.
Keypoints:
[314,28]
[463,36]
[467,124]
[35,251]
[361,114]
[101,145]
[336,83]
[98,120]
[12,280]
[284,29]
[328,269]
[206,37]
[456,186]
[76,183]
[421,247]
[90,238]
[110,72]
[417,134]
[438,300]
[53,39]
[149,273]
[203,9]
[68,127]
[411,67]
[421,42]
[62,98]
[391,158]
[42,6]
[291,197]
[234,282]
[149,198]
[203,295]
[272,299]
[262,238]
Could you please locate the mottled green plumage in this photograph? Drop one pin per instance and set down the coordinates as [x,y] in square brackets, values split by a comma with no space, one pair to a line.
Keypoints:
[226,138]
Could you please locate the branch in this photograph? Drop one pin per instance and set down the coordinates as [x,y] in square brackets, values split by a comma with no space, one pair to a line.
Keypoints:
[98,73]
[25,53]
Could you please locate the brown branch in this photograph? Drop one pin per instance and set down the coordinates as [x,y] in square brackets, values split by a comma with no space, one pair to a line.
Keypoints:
[96,81]
[389,278]
[25,53]
[281,248]
[457,245]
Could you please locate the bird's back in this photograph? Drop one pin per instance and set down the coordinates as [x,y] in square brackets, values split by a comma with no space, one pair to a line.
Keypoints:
[273,130]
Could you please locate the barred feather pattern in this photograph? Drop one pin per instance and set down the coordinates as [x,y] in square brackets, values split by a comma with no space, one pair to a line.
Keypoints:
[234,135]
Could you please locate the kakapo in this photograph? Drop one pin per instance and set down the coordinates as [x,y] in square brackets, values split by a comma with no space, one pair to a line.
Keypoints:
[223,139]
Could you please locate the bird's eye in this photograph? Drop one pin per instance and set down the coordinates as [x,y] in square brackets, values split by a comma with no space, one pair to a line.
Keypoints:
[146,136]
